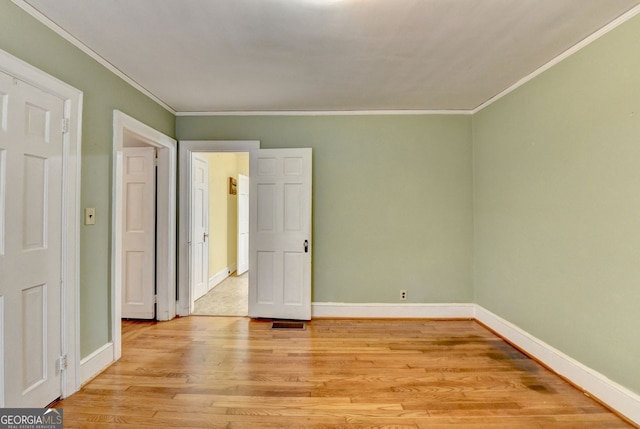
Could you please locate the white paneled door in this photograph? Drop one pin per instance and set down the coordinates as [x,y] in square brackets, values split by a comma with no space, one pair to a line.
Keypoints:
[139,233]
[280,231]
[199,227]
[243,224]
[31,150]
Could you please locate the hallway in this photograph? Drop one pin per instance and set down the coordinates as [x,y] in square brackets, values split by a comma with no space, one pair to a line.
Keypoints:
[229,298]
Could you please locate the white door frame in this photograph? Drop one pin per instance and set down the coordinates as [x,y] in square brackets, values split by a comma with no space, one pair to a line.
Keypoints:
[70,311]
[166,218]
[186,148]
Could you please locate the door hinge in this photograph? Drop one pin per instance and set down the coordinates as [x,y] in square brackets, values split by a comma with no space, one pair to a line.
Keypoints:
[65,125]
[62,363]
[155,299]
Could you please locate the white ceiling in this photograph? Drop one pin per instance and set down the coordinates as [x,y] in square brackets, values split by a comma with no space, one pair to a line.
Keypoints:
[325,55]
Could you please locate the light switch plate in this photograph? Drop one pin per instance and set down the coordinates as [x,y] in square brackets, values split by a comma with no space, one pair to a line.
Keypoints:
[89,216]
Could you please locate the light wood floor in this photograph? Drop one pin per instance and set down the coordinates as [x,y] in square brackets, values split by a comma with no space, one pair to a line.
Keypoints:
[207,372]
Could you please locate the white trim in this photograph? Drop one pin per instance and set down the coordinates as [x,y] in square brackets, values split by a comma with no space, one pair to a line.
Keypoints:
[592,382]
[35,13]
[186,148]
[218,278]
[96,362]
[388,311]
[70,311]
[566,54]
[166,218]
[326,112]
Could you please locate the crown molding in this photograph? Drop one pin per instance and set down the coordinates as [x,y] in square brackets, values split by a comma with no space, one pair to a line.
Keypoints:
[556,60]
[326,113]
[566,54]
[35,13]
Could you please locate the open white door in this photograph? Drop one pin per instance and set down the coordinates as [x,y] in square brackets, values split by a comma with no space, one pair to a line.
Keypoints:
[199,228]
[280,230]
[243,224]
[31,205]
[139,233]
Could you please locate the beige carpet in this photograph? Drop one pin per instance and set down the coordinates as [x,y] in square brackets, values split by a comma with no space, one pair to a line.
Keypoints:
[229,298]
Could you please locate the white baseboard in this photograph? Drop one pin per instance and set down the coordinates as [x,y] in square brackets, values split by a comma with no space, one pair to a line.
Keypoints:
[618,397]
[218,277]
[388,311]
[232,268]
[95,363]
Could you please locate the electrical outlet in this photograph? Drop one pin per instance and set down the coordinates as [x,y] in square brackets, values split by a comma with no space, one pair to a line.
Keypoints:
[403,295]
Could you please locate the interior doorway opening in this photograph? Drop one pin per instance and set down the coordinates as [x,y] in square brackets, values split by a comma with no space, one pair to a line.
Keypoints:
[129,132]
[280,245]
[186,239]
[220,231]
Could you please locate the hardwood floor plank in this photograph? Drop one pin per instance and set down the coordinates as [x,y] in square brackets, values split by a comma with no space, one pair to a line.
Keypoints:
[227,372]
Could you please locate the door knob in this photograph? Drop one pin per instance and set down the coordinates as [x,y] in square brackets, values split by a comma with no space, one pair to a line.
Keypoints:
[306,246]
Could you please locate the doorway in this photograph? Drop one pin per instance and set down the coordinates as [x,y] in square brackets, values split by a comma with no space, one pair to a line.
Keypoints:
[187,150]
[280,246]
[220,233]
[129,132]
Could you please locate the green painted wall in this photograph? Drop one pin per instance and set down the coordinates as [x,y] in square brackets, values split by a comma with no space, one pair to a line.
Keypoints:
[557,206]
[24,37]
[392,206]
